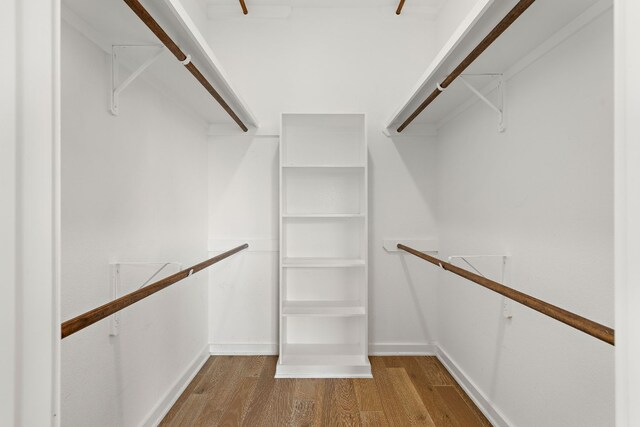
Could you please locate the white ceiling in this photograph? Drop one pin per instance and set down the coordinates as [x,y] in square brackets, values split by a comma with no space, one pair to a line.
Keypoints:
[329,3]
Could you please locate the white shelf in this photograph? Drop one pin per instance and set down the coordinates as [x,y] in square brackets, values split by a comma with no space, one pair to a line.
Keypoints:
[321,215]
[323,354]
[109,23]
[323,166]
[323,308]
[538,29]
[321,262]
[323,361]
[323,190]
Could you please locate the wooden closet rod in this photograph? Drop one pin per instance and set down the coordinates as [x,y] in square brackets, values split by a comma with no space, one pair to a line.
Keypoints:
[400,6]
[90,317]
[153,25]
[505,23]
[587,326]
[244,7]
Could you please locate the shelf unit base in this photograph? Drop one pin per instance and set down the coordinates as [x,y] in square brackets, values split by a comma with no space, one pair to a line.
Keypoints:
[323,371]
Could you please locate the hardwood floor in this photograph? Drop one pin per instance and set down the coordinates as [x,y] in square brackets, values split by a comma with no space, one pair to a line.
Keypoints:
[241,390]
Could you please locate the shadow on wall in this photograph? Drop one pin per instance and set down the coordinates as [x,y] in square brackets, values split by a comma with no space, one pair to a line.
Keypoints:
[417,303]
[421,169]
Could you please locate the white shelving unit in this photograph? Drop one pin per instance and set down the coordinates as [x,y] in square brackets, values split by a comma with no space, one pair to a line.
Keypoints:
[323,246]
[112,23]
[544,25]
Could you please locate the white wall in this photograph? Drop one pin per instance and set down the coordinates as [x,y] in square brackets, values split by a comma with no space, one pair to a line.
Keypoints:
[322,60]
[28,148]
[627,196]
[197,10]
[449,17]
[133,189]
[8,124]
[542,193]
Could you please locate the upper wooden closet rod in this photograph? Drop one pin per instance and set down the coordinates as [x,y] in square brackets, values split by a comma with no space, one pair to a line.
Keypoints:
[142,13]
[587,326]
[400,6]
[505,23]
[244,7]
[90,317]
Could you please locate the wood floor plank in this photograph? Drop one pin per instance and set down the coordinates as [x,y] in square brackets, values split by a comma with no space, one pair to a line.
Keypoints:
[373,419]
[463,413]
[280,404]
[196,382]
[393,361]
[188,412]
[262,393]
[242,390]
[415,409]
[435,372]
[304,413]
[367,395]
[340,407]
[239,404]
[393,408]
[254,366]
[449,378]
[438,410]
[307,388]
[219,396]
[215,374]
[308,396]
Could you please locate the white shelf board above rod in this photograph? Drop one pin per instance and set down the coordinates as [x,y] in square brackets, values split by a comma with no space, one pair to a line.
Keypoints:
[255,245]
[323,166]
[323,308]
[537,24]
[322,262]
[112,22]
[422,245]
[302,216]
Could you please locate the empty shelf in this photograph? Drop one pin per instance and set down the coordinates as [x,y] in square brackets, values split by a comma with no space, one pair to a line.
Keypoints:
[322,308]
[324,166]
[321,262]
[321,215]
[323,354]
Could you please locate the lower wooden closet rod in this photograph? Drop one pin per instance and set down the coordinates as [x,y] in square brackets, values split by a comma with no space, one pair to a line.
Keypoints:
[90,317]
[587,326]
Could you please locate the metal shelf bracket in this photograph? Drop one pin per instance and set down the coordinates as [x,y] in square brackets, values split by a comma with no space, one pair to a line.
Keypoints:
[117,88]
[507,312]
[116,285]
[502,91]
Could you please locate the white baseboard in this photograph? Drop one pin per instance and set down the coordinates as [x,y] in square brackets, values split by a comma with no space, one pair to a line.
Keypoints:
[271,349]
[243,349]
[165,404]
[401,349]
[494,416]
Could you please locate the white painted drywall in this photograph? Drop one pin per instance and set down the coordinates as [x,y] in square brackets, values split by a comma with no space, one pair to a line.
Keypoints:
[133,189]
[450,16]
[542,192]
[627,196]
[28,144]
[8,220]
[322,60]
[197,10]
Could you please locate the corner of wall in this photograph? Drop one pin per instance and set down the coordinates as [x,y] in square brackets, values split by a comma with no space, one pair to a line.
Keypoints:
[482,401]
[161,409]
